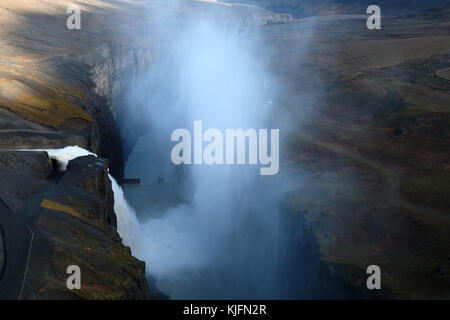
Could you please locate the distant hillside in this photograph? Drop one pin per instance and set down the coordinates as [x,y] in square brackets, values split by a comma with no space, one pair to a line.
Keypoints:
[311,7]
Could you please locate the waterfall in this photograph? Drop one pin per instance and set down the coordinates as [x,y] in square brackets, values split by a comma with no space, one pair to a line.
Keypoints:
[209,232]
[127,223]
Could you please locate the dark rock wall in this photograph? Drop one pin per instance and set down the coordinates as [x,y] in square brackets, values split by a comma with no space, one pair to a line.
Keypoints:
[58,89]
[113,70]
[67,220]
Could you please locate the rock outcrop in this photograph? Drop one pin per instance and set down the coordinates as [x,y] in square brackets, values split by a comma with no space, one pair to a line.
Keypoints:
[58,88]
[52,220]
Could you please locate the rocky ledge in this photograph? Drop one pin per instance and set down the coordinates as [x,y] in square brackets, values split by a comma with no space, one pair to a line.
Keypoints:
[57,88]
[53,219]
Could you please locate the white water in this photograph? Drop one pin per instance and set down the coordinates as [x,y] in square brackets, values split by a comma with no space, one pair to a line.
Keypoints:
[127,223]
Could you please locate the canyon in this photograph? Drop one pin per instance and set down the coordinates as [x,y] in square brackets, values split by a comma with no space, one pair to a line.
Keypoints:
[364,156]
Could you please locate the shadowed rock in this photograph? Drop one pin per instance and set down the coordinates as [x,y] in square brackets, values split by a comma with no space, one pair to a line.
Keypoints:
[61,219]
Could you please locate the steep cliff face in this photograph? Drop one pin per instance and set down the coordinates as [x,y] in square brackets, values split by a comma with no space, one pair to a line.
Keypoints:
[58,219]
[114,68]
[57,88]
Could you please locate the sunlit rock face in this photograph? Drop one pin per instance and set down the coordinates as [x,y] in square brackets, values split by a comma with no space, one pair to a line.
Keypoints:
[59,87]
